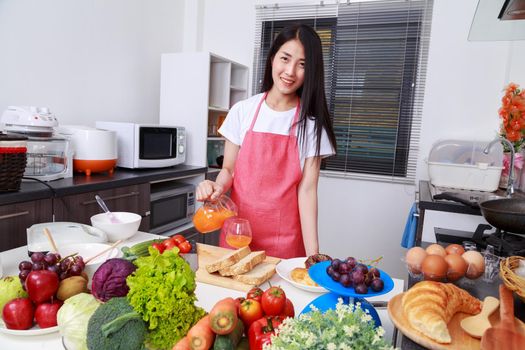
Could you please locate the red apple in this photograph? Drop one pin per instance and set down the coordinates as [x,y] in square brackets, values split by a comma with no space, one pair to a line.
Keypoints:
[41,285]
[46,314]
[18,314]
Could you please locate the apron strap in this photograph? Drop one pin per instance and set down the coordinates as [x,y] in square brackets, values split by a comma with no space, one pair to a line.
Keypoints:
[295,117]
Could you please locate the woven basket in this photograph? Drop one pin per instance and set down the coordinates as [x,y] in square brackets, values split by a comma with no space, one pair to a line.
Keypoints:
[13,157]
[514,282]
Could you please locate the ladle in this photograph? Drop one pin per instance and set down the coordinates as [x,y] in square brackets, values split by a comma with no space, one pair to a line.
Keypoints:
[104,207]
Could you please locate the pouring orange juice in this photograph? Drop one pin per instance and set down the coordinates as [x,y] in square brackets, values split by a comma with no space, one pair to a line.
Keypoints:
[211,215]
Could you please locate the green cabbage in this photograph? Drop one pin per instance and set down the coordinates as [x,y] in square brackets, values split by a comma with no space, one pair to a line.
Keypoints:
[73,318]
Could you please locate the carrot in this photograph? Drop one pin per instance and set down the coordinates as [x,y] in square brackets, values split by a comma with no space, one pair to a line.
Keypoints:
[223,316]
[200,336]
[183,344]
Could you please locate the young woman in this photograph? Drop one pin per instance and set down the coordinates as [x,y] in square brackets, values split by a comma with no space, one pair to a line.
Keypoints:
[274,145]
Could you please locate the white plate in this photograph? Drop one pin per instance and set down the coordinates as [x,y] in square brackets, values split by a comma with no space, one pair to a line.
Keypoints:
[285,267]
[31,331]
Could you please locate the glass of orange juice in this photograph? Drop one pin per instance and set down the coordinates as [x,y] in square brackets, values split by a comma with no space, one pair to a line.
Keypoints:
[211,215]
[237,232]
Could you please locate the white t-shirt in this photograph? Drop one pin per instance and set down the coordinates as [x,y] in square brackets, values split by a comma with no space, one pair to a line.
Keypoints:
[240,117]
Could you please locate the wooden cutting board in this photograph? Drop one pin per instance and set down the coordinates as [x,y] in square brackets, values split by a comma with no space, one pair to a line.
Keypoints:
[460,339]
[207,254]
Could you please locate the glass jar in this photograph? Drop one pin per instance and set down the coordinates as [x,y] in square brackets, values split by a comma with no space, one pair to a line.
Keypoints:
[212,214]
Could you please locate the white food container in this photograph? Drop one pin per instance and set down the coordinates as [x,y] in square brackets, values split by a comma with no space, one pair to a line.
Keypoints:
[462,164]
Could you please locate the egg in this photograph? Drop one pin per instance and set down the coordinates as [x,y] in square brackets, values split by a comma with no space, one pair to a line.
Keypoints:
[434,267]
[475,262]
[436,249]
[414,258]
[455,249]
[457,267]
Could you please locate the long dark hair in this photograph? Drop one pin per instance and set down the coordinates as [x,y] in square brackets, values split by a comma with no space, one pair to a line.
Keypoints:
[312,94]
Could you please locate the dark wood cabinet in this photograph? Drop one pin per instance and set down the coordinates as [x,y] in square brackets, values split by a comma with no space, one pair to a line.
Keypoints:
[81,207]
[16,218]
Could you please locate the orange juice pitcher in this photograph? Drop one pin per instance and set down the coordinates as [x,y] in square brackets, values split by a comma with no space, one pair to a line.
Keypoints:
[211,215]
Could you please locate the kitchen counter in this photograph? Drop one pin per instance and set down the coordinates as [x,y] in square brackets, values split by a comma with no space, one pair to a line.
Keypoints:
[207,296]
[79,183]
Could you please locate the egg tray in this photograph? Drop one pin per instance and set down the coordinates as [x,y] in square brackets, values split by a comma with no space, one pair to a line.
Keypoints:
[489,273]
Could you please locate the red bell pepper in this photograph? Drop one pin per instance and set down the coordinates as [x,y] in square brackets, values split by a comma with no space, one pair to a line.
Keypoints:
[261,331]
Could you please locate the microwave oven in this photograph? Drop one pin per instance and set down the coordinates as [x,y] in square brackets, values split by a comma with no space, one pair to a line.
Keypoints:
[147,145]
[172,204]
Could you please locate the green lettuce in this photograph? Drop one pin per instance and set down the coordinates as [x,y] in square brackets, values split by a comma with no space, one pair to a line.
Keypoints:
[162,290]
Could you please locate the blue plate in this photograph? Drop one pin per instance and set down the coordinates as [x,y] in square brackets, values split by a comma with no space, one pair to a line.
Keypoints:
[318,273]
[329,300]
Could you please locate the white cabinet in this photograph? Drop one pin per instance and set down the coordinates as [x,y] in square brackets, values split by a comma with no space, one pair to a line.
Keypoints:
[197,91]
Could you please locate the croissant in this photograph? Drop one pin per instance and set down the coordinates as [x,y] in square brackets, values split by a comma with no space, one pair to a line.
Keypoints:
[429,306]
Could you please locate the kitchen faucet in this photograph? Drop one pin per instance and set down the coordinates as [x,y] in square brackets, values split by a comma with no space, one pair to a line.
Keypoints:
[510,184]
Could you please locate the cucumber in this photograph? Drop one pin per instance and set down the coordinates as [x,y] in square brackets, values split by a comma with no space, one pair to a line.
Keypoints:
[139,249]
[244,344]
[229,341]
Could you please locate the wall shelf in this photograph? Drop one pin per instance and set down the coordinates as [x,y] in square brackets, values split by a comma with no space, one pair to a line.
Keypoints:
[197,91]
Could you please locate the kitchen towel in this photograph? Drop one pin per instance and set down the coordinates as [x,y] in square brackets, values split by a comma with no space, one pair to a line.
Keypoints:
[409,235]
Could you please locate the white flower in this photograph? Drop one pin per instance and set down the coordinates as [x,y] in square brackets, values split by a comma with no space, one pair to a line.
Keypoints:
[350,330]
[380,331]
[365,318]
[331,346]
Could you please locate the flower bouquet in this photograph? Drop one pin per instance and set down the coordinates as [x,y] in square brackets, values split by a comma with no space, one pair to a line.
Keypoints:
[512,115]
[346,327]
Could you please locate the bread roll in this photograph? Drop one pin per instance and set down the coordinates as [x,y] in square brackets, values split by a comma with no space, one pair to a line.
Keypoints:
[429,306]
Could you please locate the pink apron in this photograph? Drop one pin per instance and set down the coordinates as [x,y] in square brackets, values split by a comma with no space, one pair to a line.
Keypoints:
[266,178]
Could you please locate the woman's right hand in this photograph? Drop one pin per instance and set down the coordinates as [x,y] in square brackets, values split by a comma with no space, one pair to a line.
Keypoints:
[208,190]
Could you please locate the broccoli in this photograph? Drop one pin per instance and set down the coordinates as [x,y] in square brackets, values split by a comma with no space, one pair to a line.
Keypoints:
[115,325]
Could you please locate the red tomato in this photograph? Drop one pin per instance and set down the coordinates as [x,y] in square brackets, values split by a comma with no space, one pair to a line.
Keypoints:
[178,239]
[238,302]
[250,312]
[255,294]
[289,309]
[169,244]
[273,301]
[185,247]
[159,247]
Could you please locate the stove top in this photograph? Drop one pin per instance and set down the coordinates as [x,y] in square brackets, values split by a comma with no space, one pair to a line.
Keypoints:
[504,243]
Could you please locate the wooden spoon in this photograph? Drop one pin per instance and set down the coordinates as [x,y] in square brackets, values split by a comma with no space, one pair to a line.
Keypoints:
[104,251]
[477,325]
[505,335]
[51,240]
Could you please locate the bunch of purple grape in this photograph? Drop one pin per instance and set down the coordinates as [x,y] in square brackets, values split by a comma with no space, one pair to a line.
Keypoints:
[351,273]
[64,268]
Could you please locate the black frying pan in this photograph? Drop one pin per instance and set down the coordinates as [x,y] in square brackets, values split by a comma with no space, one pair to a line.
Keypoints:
[507,214]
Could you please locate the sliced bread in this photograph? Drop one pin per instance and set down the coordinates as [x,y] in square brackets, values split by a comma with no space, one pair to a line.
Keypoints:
[258,275]
[228,260]
[244,265]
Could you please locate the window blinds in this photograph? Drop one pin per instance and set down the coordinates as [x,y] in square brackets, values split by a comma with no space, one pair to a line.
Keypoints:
[375,66]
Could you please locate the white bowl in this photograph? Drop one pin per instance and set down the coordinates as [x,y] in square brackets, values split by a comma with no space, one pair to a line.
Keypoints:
[127,227]
[88,250]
